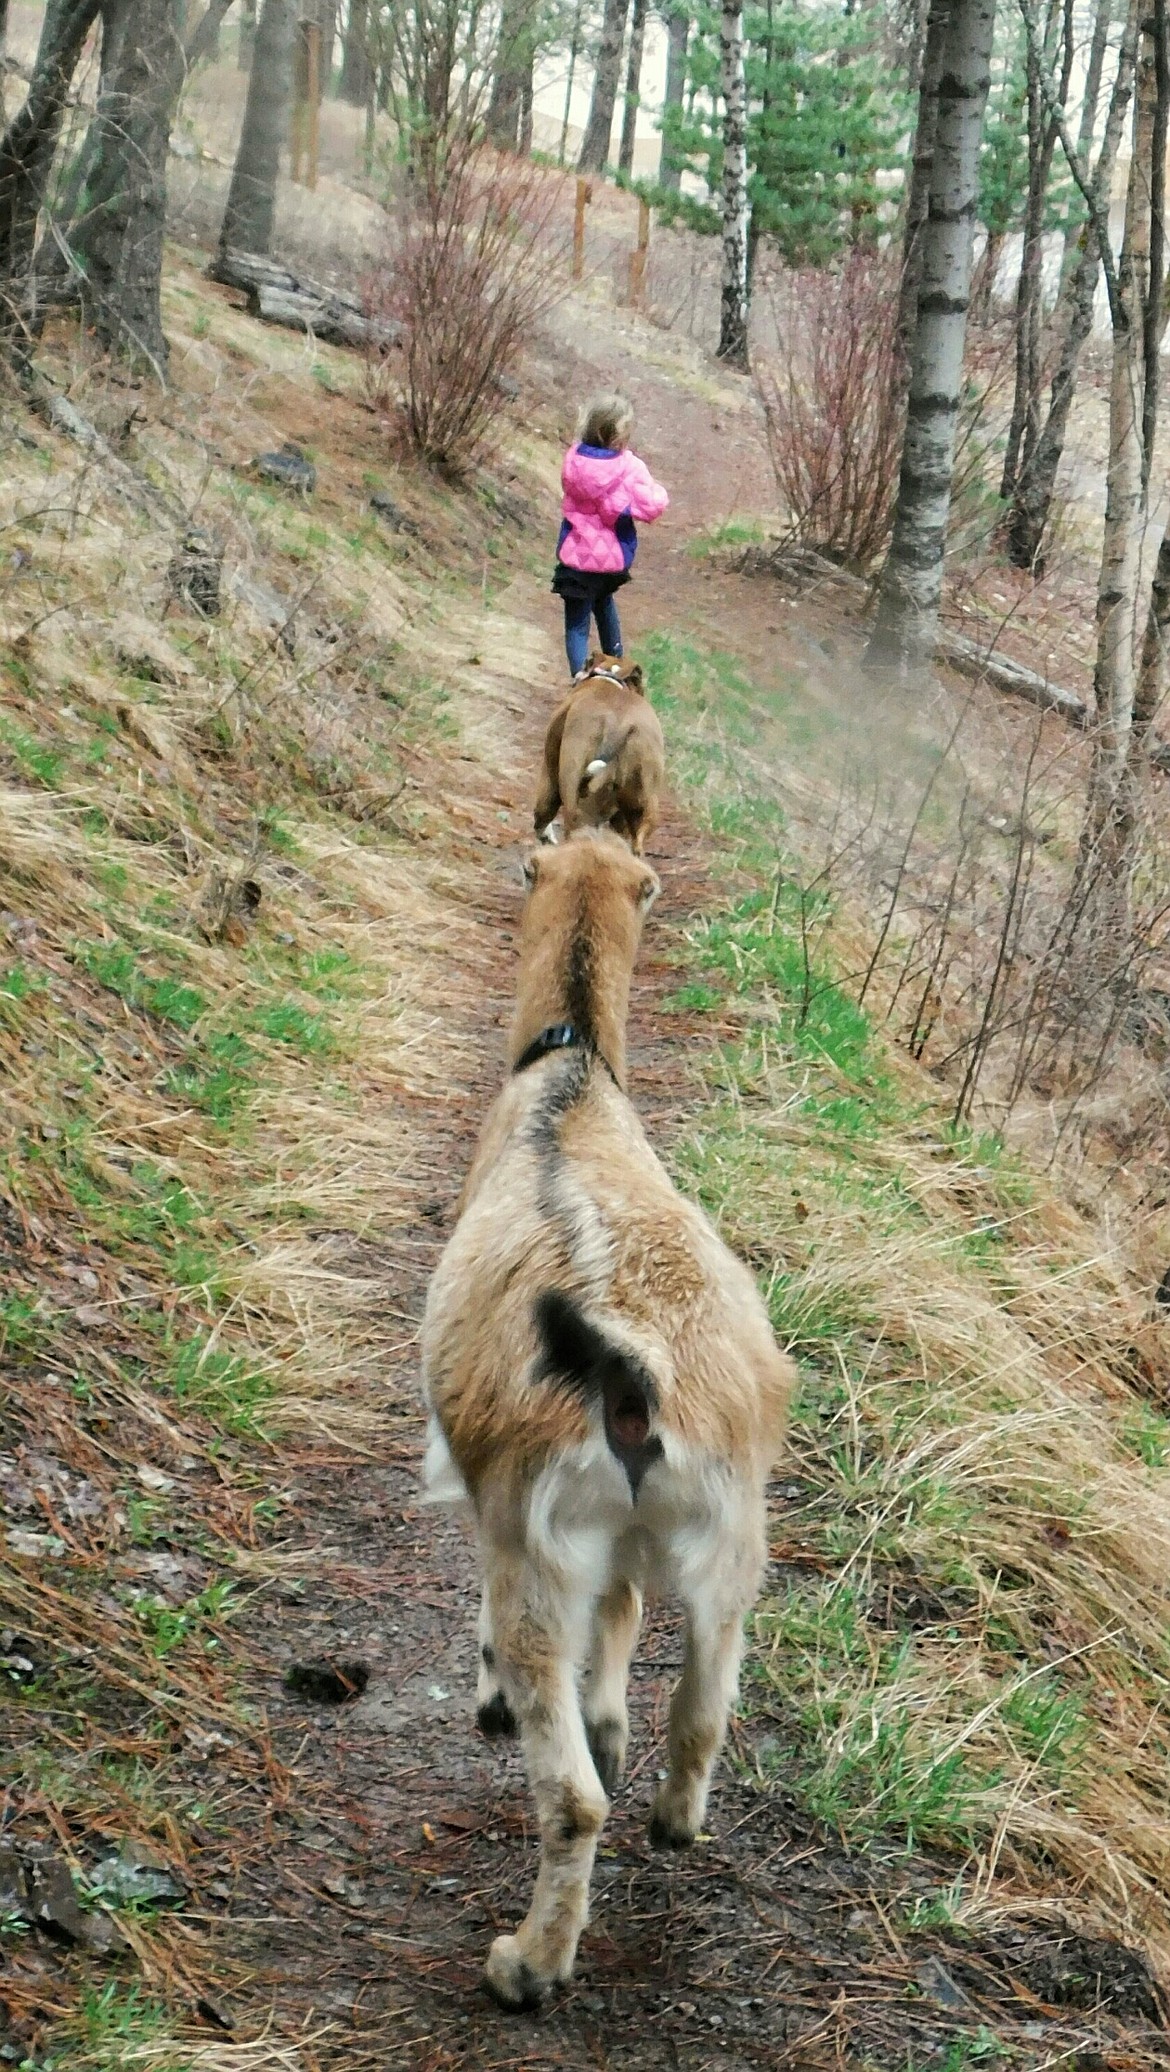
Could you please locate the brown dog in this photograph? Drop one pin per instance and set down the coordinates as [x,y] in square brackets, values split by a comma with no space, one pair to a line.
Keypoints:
[604,755]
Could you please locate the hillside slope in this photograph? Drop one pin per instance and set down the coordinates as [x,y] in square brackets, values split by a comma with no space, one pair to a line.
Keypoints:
[258,902]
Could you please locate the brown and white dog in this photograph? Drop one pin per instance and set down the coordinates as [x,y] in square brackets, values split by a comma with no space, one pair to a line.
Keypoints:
[606,1392]
[604,755]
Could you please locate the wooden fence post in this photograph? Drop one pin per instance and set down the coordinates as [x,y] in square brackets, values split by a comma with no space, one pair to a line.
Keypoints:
[638,255]
[584,197]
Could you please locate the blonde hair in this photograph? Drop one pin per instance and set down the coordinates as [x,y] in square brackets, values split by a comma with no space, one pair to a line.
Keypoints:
[606,421]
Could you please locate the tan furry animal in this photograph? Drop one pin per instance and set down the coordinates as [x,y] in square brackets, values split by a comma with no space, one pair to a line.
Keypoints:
[606,1391]
[604,756]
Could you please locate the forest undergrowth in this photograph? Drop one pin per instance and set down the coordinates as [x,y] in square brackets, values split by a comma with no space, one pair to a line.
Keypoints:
[243,871]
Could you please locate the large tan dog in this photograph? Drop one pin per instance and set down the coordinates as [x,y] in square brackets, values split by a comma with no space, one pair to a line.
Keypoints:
[604,756]
[606,1393]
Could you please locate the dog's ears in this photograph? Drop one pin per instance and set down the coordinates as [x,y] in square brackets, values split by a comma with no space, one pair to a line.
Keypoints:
[646,891]
[635,678]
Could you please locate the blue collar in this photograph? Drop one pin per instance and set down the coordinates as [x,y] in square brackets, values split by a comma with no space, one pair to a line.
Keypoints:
[599,452]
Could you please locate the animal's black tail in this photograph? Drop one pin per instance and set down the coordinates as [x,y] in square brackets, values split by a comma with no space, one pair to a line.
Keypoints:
[579,1355]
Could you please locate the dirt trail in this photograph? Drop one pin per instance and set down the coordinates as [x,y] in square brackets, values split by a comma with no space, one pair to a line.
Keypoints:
[404,1841]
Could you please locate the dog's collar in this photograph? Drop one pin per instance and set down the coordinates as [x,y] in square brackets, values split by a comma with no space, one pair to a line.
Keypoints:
[587,675]
[558,1036]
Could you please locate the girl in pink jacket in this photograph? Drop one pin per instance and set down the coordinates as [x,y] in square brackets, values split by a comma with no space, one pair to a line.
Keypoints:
[606,487]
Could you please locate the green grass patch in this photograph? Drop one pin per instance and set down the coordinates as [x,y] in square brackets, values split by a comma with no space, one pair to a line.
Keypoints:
[39,763]
[218,1381]
[168,999]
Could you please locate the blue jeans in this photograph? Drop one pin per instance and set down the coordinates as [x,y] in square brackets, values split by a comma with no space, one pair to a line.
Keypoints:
[578,612]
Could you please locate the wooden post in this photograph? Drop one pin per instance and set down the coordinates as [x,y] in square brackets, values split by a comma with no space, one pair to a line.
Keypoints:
[638,255]
[584,197]
[313,98]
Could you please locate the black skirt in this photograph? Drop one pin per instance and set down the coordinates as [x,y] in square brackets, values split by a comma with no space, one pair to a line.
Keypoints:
[587,586]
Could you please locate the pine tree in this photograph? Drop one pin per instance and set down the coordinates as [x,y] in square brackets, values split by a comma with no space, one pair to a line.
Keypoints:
[824,123]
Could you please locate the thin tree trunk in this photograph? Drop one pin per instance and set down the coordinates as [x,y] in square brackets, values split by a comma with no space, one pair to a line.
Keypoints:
[251,203]
[29,144]
[911,583]
[574,53]
[1108,847]
[355,62]
[1153,313]
[633,84]
[678,31]
[201,40]
[513,66]
[921,168]
[984,277]
[1113,680]
[733,314]
[247,42]
[595,145]
[1032,504]
[1024,428]
[528,106]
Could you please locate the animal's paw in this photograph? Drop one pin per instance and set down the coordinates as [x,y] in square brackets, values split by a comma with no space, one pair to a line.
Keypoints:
[607,1745]
[671,1827]
[510,1978]
[496,1718]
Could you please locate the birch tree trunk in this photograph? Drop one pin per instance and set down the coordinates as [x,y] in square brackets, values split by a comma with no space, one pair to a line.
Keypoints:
[921,166]
[595,144]
[678,31]
[1107,851]
[1113,679]
[251,204]
[633,84]
[911,582]
[733,314]
[1032,504]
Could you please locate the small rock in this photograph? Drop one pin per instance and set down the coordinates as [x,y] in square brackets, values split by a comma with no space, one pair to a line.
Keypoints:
[327,1680]
[153,1478]
[289,467]
[136,1874]
[395,517]
[51,1904]
[35,1546]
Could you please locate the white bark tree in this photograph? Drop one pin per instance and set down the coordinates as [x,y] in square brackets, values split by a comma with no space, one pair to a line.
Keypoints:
[911,582]
[733,315]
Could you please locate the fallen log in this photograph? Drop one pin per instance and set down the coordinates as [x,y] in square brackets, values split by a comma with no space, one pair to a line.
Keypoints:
[248,271]
[803,565]
[327,318]
[1012,677]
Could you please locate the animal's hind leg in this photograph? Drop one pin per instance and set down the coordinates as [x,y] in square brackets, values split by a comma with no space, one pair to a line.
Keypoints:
[535,1637]
[492,1710]
[705,1691]
[616,1621]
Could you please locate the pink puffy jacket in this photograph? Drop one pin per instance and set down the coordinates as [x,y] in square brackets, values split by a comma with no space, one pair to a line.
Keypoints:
[604,493]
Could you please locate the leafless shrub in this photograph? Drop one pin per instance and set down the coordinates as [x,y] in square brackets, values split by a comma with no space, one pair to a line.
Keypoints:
[474,266]
[833,406]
